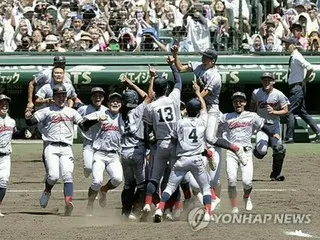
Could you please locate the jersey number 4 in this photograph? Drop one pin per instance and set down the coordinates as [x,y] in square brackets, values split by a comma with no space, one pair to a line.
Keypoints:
[193,135]
[167,112]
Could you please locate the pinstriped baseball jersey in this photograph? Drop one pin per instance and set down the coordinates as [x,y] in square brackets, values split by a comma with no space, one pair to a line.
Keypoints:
[110,132]
[86,110]
[7,128]
[275,99]
[45,77]
[190,135]
[46,91]
[211,79]
[58,123]
[163,114]
[239,127]
[134,129]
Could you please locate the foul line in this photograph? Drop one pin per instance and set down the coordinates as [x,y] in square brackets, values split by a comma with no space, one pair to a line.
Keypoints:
[118,190]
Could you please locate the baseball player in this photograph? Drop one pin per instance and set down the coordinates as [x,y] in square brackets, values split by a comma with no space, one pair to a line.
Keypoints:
[208,75]
[190,134]
[162,116]
[97,97]
[270,104]
[45,77]
[133,151]
[238,128]
[58,131]
[107,147]
[44,94]
[7,128]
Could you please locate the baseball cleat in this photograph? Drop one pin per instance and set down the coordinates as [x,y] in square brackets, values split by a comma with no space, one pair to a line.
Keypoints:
[158,216]
[132,217]
[242,156]
[145,212]
[1,214]
[102,198]
[68,208]
[168,215]
[215,204]
[44,199]
[248,204]
[235,210]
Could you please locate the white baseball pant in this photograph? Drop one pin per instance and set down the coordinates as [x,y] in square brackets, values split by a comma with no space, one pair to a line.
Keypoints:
[212,124]
[109,161]
[87,152]
[232,165]
[5,166]
[59,162]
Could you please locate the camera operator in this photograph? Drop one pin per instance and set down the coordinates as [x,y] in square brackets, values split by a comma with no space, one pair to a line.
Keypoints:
[51,44]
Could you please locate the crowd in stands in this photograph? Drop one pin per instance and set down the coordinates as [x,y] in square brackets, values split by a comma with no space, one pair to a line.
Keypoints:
[156,25]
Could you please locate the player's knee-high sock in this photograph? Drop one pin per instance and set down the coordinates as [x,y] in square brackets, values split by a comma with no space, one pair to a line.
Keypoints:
[232,191]
[48,187]
[213,194]
[164,198]
[151,189]
[92,194]
[207,203]
[186,190]
[247,192]
[2,194]
[174,197]
[68,191]
[108,186]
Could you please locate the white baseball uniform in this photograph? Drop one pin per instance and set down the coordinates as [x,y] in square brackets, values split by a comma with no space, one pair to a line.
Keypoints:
[7,128]
[58,132]
[212,82]
[277,100]
[190,134]
[238,129]
[107,147]
[133,147]
[87,150]
[163,114]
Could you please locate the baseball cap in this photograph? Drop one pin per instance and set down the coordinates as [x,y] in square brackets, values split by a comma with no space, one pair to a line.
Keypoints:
[291,40]
[267,75]
[211,53]
[239,94]
[160,84]
[59,88]
[194,105]
[59,59]
[4,97]
[77,17]
[115,94]
[97,89]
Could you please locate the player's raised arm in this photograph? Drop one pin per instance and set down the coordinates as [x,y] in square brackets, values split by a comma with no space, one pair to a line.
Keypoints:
[176,73]
[180,67]
[198,93]
[131,84]
[152,73]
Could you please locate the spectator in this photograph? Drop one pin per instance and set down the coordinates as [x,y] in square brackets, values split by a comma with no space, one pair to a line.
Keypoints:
[273,44]
[37,39]
[257,45]
[314,18]
[296,30]
[184,6]
[314,42]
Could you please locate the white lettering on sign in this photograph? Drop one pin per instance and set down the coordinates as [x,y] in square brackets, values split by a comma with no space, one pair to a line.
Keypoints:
[84,76]
[139,77]
[12,79]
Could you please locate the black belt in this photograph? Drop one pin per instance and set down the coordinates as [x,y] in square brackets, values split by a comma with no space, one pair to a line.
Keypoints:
[59,144]
[4,154]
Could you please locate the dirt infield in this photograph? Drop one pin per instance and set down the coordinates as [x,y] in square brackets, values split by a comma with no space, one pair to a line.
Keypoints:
[24,219]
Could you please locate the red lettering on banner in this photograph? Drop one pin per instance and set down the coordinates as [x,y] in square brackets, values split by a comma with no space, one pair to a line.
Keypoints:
[235,124]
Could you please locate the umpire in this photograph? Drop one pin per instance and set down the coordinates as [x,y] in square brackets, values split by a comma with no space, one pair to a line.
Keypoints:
[297,90]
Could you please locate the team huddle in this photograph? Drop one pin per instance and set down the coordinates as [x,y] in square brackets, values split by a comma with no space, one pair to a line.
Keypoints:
[158,146]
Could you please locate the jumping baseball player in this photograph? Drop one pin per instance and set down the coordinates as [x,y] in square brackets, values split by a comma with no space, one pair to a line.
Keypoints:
[133,151]
[44,94]
[7,128]
[58,130]
[270,104]
[97,97]
[190,134]
[208,76]
[238,128]
[162,116]
[107,148]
